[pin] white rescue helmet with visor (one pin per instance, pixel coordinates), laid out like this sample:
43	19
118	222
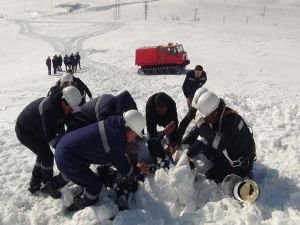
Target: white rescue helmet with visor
135	121
73	97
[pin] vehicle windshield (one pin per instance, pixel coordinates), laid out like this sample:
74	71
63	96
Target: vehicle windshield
179	49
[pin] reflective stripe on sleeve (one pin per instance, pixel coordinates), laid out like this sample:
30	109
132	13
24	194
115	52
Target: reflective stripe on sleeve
41	106
103	136
47	167
89	195
53	141
64	177
130	171
216	141
96	107
202	139
241	124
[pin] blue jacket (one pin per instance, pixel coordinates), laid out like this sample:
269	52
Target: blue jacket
99	143
43	119
100	108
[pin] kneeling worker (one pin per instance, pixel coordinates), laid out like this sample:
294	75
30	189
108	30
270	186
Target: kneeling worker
99	143
225	138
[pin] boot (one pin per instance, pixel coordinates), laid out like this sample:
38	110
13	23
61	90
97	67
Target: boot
80	203
36	179
51	190
47	175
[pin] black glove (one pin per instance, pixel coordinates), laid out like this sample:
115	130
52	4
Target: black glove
126	185
107	175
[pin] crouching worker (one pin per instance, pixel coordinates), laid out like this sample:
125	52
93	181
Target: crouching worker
99	143
40	125
222	135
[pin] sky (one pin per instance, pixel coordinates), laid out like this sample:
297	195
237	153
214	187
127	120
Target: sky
250	52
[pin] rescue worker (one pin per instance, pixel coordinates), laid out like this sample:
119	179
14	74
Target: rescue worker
41	124
100	108
161	110
48	63
194	79
84	90
225	138
99	143
65	81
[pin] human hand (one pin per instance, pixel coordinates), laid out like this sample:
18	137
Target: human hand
170	128
189	101
144	168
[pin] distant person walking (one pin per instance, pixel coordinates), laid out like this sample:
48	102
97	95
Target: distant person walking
48	63
59	62
54	63
66	61
77	59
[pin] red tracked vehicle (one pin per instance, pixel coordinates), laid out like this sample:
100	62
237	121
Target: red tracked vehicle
162	59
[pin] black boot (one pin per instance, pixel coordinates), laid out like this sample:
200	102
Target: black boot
47	174
36	179
80	203
51	190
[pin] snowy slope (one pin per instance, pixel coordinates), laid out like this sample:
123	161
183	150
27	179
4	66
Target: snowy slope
250	50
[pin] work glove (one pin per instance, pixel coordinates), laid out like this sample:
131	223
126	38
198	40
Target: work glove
170	128
125	185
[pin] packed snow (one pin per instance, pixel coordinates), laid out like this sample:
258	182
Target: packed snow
250	50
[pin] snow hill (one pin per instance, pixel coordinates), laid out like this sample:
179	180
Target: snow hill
250	50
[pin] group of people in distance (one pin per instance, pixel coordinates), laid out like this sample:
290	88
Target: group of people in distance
71	62
109	131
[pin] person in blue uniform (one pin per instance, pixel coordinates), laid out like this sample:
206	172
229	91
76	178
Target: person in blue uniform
102	142
40	125
100	108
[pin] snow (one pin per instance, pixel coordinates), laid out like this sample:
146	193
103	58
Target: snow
252	61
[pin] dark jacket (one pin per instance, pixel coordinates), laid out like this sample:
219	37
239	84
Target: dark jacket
66	60
234	135
48	62
43	119
76	83
191	84
101	108
99	143
59	60
77	58
82	87
153	119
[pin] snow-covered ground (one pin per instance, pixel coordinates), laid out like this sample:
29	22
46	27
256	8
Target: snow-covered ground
250	50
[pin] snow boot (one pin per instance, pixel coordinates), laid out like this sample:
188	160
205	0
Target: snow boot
35	180
50	189
80	203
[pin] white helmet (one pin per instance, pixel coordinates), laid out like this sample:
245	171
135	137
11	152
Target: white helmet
197	95
67	77
207	103
73	97
135	121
